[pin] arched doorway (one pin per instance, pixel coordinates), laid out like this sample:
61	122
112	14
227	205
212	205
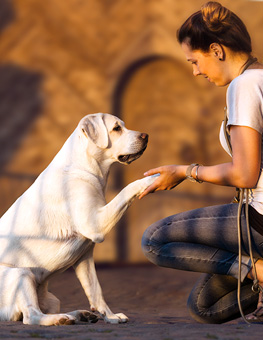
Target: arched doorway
158	96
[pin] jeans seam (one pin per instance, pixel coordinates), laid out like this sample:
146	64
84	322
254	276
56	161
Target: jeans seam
188	219
185	257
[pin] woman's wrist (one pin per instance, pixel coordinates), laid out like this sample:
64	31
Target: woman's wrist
183	169
192	173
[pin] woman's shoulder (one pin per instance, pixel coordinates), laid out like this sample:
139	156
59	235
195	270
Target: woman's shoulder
250	74
250	78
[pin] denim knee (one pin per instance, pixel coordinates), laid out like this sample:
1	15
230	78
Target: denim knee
146	248
213	299
149	245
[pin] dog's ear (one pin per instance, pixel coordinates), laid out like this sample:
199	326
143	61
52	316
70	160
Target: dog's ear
94	128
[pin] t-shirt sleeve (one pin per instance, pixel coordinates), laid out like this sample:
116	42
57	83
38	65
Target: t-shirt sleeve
245	100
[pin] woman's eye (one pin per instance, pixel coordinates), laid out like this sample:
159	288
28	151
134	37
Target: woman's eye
117	128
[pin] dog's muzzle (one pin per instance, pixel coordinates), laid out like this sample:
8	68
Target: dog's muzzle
132	157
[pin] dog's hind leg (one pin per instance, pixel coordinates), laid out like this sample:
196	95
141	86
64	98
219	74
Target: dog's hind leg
19	299
48	302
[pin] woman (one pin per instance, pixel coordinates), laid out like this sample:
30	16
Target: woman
216	42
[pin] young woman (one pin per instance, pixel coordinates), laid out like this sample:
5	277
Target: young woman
216	42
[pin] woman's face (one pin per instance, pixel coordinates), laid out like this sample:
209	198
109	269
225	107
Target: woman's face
207	64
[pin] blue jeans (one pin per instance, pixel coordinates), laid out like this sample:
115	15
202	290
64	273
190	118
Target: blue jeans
205	240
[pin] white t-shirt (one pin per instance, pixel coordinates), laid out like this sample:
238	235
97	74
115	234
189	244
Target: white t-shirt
245	108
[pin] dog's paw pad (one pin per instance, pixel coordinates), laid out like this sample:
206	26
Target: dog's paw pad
65	320
89	317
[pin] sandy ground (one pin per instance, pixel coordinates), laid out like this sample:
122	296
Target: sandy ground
153	298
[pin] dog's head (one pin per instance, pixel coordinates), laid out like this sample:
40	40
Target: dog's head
110	137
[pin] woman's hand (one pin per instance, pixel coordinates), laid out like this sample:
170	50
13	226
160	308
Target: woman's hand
170	177
242	172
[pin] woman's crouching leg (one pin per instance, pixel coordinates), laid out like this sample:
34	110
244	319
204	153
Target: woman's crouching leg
214	299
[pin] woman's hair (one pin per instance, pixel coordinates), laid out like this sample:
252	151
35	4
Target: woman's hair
215	24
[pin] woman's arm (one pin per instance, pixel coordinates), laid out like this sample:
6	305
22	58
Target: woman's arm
170	177
242	172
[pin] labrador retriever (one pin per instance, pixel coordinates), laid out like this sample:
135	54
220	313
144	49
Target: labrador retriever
56	223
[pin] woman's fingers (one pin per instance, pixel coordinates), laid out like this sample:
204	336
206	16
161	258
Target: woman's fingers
153	171
149	190
169	177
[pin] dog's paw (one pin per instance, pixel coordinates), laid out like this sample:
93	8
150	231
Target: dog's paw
89	317
152	178
84	315
147	181
49	319
116	318
64	320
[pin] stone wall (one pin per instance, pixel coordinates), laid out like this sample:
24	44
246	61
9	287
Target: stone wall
60	60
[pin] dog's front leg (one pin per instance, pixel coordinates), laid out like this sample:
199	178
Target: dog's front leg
111	213
86	273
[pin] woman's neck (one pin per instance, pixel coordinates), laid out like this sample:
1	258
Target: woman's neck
249	63
239	62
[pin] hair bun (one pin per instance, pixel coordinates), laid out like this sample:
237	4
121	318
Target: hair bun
214	16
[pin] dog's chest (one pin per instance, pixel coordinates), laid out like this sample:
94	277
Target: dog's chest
59	259
50	255
68	253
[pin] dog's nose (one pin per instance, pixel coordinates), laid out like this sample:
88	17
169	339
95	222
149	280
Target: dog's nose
144	136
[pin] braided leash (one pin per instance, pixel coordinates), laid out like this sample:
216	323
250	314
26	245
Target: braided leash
256	288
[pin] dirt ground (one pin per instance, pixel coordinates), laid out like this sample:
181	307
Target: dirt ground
153	298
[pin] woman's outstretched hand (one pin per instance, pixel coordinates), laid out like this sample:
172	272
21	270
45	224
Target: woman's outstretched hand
170	177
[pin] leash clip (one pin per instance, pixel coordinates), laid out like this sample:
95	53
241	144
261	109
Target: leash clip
256	287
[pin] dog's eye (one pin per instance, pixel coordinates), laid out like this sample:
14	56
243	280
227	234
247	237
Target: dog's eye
117	128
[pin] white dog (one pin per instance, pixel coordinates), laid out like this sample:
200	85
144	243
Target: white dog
55	224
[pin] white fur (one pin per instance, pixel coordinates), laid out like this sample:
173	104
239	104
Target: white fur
55	224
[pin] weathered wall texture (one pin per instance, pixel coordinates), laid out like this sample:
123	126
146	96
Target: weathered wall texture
60	60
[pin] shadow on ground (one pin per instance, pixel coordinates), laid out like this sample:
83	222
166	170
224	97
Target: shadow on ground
153	298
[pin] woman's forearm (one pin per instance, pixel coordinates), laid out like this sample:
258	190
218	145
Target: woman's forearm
244	169
227	174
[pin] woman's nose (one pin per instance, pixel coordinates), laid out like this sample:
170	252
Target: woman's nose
196	71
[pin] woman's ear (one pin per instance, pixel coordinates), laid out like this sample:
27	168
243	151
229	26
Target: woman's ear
217	51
